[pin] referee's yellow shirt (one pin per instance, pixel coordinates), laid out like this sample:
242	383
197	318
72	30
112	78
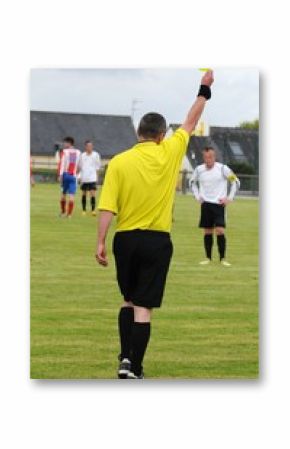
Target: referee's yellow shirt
140	184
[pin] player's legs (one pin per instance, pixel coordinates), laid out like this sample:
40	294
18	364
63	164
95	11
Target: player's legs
142	314
134	331
153	258
207	224
125	324
93	201
220	224
72	187
221	242
208	242
140	339
123	249
142	262
84	198
65	184
71	202
63	203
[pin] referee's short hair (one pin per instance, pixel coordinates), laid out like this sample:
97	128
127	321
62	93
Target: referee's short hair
88	141
151	125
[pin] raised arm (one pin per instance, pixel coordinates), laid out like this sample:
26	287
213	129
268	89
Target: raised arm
197	108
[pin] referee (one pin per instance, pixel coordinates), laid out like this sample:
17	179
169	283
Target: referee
139	189
209	185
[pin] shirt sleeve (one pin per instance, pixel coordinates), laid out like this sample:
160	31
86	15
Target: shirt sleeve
233	180
177	143
98	161
193	182
79	161
62	163
109	194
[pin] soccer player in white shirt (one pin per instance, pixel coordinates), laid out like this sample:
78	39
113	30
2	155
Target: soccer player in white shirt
90	164
210	187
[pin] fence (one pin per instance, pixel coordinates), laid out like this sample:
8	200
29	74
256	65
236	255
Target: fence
45	171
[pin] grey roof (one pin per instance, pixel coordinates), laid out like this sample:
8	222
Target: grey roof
110	134
245	139
226	140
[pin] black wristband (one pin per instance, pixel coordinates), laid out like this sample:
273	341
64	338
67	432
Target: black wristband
204	91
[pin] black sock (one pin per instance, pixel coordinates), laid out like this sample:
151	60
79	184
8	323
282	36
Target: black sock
221	242
93	202
208	242
140	339
84	202
125	322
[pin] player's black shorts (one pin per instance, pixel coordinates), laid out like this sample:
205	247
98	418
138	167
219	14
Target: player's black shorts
142	261
212	215
87	186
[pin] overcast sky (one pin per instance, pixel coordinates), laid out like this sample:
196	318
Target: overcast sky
168	91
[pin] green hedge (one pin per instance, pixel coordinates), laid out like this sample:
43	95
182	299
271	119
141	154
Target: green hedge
44	171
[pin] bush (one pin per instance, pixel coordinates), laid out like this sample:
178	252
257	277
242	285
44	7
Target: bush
44	171
242	168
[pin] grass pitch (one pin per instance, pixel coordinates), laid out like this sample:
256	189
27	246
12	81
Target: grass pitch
206	328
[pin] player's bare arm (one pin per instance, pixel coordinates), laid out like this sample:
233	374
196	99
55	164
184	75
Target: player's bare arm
197	108
105	220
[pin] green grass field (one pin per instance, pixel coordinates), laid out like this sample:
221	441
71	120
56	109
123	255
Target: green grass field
206	328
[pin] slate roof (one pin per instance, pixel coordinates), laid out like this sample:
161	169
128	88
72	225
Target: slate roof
224	139
246	139
110	134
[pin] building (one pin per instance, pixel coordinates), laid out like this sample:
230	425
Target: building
237	145
110	134
233	146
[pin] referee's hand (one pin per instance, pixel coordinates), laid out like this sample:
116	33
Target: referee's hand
101	254
207	78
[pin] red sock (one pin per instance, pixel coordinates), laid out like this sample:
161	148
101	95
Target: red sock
62	206
70	207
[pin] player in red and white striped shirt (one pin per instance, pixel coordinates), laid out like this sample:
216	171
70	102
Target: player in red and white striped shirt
69	167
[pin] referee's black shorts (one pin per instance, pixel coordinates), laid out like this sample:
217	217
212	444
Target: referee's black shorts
212	215
142	261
